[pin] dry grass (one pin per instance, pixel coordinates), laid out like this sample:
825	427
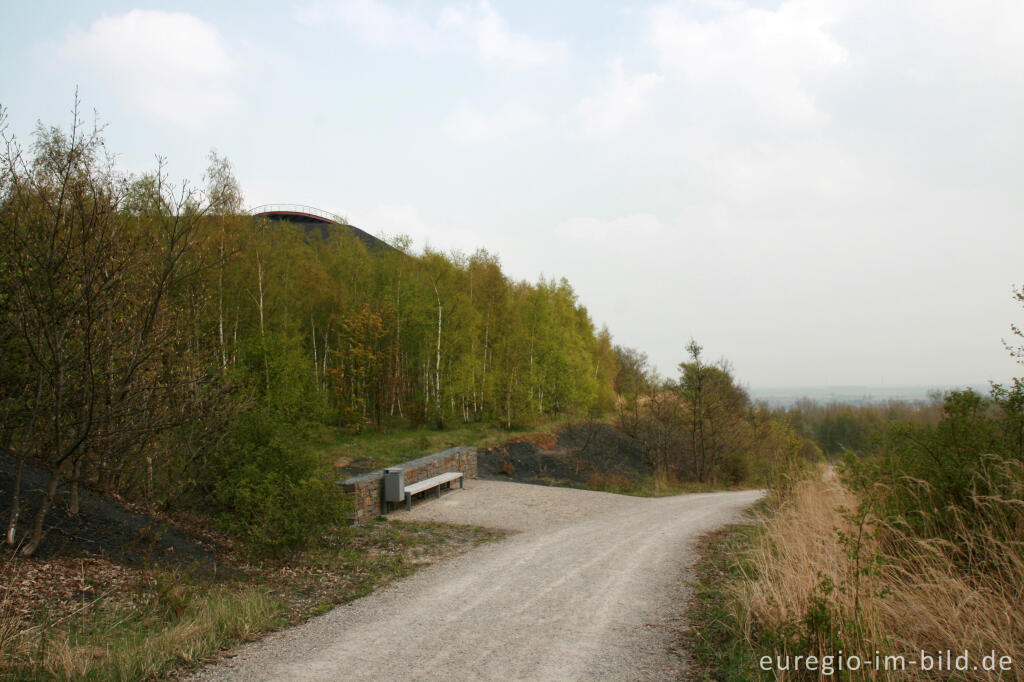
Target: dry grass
890	591
798	550
116	638
934	606
89	619
10	623
967	593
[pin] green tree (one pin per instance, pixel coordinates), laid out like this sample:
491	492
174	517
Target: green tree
718	429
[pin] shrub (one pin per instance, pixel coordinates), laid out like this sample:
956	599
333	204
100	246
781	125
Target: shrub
271	489
938	480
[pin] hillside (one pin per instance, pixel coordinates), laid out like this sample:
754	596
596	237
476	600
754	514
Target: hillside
579	455
327	229
105	526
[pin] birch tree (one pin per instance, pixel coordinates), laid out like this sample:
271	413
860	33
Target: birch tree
91	259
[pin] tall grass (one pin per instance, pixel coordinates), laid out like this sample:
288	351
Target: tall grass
963	588
799	555
826	575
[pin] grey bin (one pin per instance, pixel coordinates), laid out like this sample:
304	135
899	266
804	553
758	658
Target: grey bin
394	485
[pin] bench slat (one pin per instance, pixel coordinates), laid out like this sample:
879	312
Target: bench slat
431	482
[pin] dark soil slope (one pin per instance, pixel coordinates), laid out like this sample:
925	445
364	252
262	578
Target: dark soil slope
103	527
578	455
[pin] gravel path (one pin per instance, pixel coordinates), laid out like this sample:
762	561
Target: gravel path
591	589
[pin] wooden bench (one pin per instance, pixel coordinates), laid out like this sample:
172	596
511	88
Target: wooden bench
435	482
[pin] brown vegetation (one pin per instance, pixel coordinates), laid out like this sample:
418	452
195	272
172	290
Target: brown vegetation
889	591
704	428
88	618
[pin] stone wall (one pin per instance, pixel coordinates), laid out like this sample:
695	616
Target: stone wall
367	490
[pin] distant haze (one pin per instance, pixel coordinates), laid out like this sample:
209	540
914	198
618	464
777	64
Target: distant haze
855	395
825	193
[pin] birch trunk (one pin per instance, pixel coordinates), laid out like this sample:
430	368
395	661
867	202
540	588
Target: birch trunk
12	522
316	364
437	364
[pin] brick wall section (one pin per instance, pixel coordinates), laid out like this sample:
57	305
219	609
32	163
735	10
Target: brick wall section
367	490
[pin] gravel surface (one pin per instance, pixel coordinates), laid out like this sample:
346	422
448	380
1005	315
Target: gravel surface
592	588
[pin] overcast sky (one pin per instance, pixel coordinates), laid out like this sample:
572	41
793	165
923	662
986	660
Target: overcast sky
825	193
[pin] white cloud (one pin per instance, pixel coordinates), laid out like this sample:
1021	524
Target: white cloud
374	22
169	64
771	56
467	124
624	98
480	29
495	43
946	39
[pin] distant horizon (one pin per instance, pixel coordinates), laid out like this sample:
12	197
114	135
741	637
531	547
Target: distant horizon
785	396
876	387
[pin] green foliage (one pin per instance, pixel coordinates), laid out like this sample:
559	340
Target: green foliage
938	479
840	429
937	529
164	345
270	489
101	314
277	372
782	457
717	635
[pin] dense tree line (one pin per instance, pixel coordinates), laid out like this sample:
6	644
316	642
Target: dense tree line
158	342
841	427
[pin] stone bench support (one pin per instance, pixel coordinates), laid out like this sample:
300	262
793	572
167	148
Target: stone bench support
367	490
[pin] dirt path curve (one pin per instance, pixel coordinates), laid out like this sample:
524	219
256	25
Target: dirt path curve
591	589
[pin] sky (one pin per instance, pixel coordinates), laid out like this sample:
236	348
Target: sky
824	193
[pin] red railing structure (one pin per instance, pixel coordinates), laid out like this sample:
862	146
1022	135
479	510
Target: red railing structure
298	210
